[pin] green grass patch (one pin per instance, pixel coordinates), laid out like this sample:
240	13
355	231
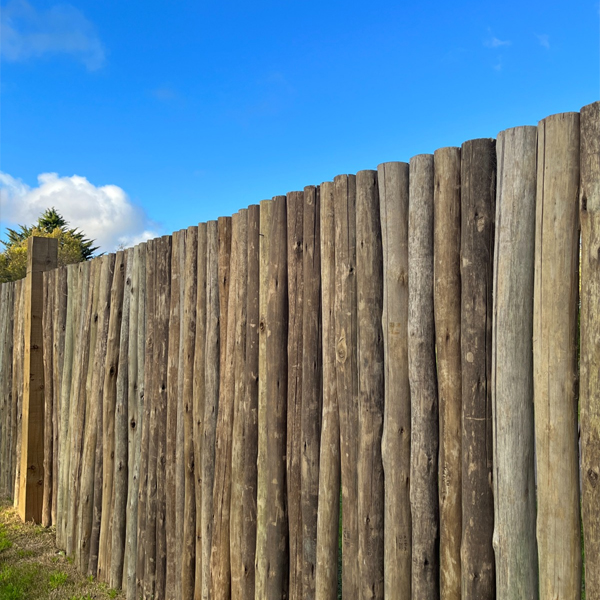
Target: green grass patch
16	582
5	543
57	579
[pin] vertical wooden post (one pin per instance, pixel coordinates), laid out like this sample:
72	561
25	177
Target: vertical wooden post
369	285
589	397
478	197
512	367
446	302
424	500
42	255
395	442
555	356
48	318
295	212
328	518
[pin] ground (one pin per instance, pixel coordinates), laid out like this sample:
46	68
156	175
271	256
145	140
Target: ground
32	567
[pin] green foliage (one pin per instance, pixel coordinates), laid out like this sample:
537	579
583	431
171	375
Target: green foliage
5	543
73	247
15	583
57	579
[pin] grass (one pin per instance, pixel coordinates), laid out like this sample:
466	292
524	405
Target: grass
32	568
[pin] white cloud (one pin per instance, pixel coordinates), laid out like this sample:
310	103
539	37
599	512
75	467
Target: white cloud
62	29
544	40
494	42
105	213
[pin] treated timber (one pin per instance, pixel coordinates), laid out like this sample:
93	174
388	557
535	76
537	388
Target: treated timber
262	509
88	466
41	256
211	397
121	474
180	456
94	543
236	529
423	382
47	319
199	393
17	388
514	541
369	285
328	518
295	219
344	197
111	371
150	304
276	405
161	347
188	549
87	272
478	197
589	391
312	387
65	391
175	310
220	559
137	335
395	443
555	307
446	303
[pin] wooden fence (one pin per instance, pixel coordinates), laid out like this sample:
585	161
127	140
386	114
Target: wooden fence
406	339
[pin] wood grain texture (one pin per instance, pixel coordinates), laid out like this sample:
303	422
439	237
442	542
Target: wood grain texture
295	247
328	518
236	528
446	302
369	285
344	197
589	391
111	372
188	550
276	406
211	398
220	558
514	539
555	356
261	569
312	387
199	394
121	474
395	443
423	382
175	310
41	256
478	196
48	350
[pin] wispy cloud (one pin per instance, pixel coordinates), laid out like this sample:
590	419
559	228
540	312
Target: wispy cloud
494	42
103	213
164	94
544	40
29	33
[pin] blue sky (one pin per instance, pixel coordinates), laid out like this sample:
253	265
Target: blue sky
171	113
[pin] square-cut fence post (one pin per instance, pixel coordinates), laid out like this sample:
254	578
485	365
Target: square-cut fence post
42	255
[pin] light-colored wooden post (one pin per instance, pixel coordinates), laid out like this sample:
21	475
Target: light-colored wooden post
42	255
512	367
589	395
555	356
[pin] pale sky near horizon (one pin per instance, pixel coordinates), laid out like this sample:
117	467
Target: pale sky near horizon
135	119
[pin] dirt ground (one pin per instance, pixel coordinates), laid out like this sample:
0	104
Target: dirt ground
32	567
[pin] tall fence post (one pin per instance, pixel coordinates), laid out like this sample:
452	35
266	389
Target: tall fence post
42	255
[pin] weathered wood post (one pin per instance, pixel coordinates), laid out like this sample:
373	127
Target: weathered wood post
42	255
512	367
446	302
395	442
555	356
589	391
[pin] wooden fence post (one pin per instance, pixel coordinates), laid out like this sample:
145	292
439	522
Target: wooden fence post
42	255
589	395
555	356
